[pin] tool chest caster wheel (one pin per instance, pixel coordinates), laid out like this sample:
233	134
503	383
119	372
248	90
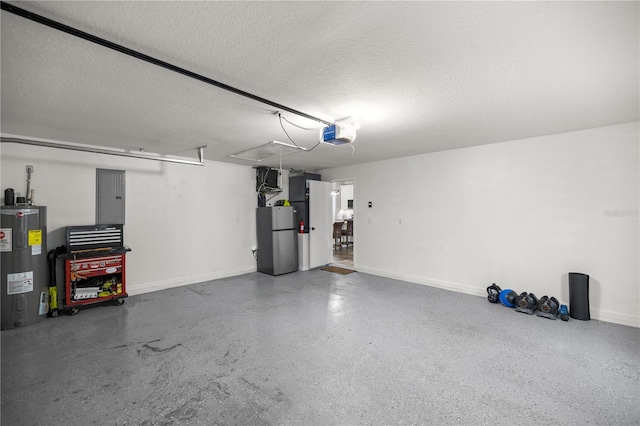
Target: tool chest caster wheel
120	302
74	311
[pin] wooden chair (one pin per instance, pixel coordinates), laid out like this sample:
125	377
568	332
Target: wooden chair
346	233
337	235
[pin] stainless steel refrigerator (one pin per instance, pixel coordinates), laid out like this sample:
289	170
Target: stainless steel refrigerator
277	240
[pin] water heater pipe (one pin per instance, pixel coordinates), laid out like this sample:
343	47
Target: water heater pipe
29	170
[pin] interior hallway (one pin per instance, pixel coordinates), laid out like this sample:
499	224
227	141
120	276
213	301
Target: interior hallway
317	348
343	257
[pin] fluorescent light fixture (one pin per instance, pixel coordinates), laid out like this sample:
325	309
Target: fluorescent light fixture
266	151
138	153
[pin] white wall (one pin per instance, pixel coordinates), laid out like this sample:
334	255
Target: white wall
521	214
184	224
346	194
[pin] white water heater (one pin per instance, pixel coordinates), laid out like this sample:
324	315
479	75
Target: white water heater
23	254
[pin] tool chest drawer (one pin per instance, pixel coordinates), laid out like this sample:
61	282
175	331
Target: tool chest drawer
95	279
96	266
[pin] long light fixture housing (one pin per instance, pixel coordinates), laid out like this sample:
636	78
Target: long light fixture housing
99	150
266	151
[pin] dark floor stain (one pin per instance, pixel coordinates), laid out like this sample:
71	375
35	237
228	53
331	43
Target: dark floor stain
250	384
187	411
223	388
280	396
201	293
274	394
159	350
119	347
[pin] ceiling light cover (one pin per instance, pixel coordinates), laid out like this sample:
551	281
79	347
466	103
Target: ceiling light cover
268	150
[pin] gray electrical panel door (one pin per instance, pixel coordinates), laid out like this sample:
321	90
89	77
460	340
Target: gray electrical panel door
109	196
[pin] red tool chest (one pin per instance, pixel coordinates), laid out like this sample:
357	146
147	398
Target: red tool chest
95	266
95	279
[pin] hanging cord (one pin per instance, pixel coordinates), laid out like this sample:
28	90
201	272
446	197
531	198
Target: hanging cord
299	126
314	147
285	131
280	174
280	117
264	182
272	196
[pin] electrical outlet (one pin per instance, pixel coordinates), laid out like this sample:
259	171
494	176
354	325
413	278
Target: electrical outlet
29	169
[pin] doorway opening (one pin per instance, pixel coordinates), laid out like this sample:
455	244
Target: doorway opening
343	202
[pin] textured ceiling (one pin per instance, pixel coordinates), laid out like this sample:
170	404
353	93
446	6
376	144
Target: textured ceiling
422	76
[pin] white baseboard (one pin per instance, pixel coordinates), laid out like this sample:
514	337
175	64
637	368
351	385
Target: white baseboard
135	289
614	317
432	282
596	314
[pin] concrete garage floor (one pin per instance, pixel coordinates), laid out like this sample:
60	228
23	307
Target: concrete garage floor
317	348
